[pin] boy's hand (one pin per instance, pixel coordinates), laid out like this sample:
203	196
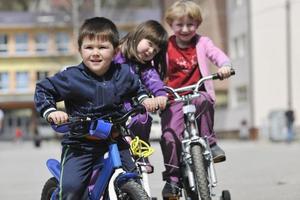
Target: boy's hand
58	117
225	71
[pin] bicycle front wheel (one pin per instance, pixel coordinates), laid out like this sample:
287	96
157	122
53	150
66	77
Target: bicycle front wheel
133	191
200	172
50	186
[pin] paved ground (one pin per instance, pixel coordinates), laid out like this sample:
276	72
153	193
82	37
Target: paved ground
253	171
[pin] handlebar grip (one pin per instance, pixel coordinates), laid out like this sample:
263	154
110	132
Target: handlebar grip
217	76
62	128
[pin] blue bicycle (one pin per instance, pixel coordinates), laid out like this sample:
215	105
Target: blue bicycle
112	182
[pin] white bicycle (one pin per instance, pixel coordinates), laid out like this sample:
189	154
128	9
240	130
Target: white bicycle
197	167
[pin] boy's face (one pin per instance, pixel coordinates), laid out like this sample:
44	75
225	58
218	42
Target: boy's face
147	50
184	28
97	54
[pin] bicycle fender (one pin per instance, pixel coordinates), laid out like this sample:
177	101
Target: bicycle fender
117	179
111	186
54	167
124	177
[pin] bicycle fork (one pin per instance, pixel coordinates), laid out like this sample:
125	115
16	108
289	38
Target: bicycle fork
191	136
187	160
211	168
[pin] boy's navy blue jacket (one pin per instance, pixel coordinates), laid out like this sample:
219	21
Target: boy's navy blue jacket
84	93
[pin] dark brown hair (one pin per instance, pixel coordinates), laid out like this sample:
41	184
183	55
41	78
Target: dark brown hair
153	31
99	27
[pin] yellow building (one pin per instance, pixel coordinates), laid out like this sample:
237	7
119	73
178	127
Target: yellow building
32	46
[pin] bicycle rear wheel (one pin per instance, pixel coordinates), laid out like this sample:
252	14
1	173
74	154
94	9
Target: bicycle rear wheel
200	172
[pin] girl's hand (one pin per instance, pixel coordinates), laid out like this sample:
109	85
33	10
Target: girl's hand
161	102
225	72
150	104
58	117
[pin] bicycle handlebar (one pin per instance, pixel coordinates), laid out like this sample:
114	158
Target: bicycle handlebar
194	88
98	125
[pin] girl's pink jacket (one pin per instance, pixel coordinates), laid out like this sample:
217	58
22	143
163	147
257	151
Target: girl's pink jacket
206	50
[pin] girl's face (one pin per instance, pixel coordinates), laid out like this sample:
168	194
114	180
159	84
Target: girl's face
97	54
146	50
184	29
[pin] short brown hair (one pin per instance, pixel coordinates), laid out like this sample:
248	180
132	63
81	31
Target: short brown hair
99	27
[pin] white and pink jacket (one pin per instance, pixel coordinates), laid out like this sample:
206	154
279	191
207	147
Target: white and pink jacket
206	50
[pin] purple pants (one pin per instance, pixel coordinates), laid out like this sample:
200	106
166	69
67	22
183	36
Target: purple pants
172	123
140	125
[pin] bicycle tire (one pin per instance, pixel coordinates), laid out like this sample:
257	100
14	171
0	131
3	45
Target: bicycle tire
49	188
200	172
133	191
226	195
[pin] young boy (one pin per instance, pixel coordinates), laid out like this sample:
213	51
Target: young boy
95	86
187	54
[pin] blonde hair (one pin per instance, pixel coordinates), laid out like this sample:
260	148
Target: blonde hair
183	8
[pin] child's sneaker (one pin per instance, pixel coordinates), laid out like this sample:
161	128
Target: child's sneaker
171	191
217	153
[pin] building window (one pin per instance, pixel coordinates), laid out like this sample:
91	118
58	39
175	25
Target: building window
3	44
241	92
232	48
41	75
21	43
238	47
4	81
238	3
41	42
62	42
222	97
22	81
241	45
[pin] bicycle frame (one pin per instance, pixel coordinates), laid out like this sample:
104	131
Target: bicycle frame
110	173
